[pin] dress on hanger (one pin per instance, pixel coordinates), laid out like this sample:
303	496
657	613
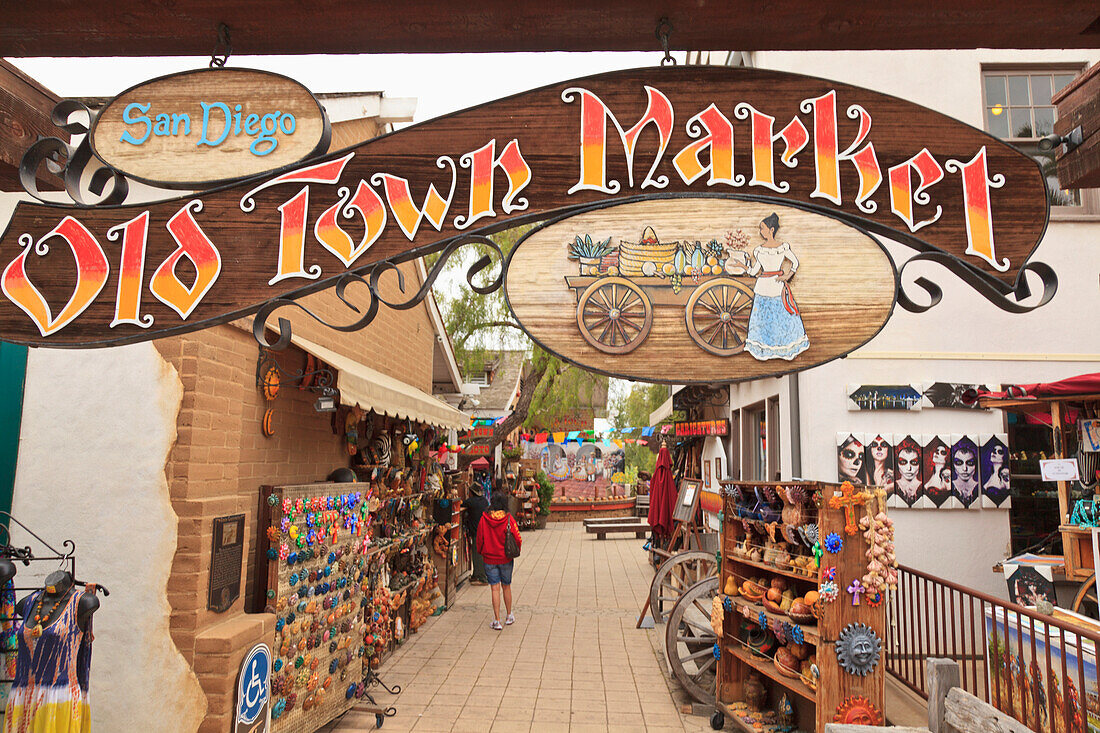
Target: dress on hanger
50	692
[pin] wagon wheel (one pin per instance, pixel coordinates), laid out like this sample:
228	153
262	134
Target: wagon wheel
689	641
1085	602
718	316
675	576
614	315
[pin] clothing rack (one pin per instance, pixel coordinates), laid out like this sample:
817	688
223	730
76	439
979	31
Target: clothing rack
26	555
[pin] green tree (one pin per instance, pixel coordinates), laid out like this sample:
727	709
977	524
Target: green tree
632	409
482	326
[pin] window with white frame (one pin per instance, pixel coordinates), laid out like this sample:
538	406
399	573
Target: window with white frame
1018	109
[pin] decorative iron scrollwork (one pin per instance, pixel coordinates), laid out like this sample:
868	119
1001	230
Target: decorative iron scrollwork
371	279
322	384
70	162
997	293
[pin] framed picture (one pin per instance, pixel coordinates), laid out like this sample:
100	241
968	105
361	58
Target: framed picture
909	480
706	475
850	456
879	461
995	475
1029	584
953	395
884	396
936	470
965	486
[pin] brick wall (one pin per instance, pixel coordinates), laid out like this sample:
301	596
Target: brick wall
221	457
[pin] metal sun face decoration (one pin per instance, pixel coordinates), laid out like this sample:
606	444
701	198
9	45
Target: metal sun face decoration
858	649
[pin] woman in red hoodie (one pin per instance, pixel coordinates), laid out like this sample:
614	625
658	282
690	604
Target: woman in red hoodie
490	543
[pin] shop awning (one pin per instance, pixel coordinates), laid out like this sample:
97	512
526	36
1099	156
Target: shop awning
661	412
373	390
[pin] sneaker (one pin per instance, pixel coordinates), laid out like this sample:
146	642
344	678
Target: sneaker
510	620
495	625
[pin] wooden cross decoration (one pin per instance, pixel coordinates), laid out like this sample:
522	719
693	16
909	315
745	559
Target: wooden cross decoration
856	589
848	500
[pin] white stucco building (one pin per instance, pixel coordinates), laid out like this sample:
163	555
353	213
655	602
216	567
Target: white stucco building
963	339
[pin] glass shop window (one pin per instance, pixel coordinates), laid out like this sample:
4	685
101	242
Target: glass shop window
1018	109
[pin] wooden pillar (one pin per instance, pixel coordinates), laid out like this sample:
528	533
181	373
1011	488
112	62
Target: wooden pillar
942	675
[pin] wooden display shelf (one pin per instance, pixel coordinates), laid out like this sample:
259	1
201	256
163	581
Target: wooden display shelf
834	684
773	569
766	667
810	632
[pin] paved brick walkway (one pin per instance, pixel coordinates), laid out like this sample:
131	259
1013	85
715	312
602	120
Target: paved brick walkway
573	660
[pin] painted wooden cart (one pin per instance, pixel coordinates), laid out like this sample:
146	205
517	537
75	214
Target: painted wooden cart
615	314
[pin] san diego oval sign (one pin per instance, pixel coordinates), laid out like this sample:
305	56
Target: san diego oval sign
198	128
694	289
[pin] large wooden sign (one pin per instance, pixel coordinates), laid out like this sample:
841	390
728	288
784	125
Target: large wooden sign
202	127
92	277
694	290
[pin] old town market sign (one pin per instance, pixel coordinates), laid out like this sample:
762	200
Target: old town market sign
767	187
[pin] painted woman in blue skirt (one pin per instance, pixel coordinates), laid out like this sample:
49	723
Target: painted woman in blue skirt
775	326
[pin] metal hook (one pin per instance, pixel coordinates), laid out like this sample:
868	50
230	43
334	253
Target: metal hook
664	28
224	45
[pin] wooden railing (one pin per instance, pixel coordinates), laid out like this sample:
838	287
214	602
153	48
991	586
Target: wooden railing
1038	669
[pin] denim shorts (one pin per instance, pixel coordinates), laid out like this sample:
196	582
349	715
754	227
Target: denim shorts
499	573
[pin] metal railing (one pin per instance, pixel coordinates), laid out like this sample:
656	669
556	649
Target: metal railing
1038	669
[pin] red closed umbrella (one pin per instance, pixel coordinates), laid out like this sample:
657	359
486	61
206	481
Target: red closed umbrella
662	495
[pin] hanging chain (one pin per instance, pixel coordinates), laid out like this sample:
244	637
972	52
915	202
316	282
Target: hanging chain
222	49
664	27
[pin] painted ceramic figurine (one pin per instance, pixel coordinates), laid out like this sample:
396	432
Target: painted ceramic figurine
784	713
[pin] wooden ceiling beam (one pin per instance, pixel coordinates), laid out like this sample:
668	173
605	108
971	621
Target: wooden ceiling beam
25	107
1079	115
189	27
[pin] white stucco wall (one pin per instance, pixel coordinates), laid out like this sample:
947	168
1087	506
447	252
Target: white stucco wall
96	431
963	339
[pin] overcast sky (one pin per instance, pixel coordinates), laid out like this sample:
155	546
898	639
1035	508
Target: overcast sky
441	82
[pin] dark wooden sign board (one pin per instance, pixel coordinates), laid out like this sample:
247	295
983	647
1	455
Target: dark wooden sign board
226	555
521	159
670	175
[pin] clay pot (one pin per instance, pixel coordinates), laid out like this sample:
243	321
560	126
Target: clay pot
755	693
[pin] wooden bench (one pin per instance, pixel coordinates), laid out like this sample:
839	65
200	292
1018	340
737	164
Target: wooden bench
601	530
608	520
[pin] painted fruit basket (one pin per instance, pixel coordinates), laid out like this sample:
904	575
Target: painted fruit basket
619	287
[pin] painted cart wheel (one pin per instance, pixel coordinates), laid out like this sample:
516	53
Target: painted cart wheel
718	316
675	576
1085	603
690	640
614	315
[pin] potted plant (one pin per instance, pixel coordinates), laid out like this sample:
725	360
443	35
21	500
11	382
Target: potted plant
511	456
589	253
546	495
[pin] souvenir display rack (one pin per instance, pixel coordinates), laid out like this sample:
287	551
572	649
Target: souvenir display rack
348	577
774	648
